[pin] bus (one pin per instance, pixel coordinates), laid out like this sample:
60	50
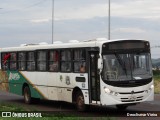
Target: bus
93	72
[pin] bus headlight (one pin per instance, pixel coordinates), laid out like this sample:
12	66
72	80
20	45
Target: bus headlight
107	90
152	87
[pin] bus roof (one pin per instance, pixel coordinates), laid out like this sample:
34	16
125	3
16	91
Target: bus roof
87	43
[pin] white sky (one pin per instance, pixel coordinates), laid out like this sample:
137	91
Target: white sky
29	21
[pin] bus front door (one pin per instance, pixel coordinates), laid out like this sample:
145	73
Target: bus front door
94	83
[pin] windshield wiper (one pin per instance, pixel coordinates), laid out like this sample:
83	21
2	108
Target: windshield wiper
121	63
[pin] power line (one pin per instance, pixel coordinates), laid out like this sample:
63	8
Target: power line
30	6
36	4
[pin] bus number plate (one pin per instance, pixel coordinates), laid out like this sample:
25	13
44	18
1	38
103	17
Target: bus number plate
133	98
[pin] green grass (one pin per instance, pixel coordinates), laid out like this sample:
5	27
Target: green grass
16	108
10	107
157	84
156	76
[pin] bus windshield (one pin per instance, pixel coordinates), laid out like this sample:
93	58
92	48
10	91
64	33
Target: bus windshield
125	67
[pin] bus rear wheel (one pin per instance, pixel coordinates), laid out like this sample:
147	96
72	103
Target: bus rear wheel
80	102
27	95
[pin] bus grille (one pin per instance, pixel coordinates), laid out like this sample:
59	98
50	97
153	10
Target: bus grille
132	99
125	93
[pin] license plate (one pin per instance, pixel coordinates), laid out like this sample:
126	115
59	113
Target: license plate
133	98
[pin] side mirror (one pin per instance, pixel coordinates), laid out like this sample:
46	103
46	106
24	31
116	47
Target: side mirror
100	64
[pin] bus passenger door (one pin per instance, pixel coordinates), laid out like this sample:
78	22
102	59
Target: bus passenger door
94	84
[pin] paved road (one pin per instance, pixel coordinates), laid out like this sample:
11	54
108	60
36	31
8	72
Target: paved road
67	108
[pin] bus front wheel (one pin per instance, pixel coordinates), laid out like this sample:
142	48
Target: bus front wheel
80	102
27	95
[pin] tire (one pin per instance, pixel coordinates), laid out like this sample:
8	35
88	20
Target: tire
27	95
121	107
80	102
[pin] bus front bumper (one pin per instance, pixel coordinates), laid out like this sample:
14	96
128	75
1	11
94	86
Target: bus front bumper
109	97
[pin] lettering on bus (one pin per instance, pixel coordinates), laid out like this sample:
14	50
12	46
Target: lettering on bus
14	76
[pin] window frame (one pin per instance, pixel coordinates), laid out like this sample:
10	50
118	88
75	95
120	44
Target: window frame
46	61
2	61
58	60
80	60
25	52
65	61
30	61
11	62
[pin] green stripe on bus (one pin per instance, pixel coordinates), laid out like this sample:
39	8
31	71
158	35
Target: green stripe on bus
16	81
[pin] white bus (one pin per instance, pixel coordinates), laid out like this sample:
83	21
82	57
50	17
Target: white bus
94	72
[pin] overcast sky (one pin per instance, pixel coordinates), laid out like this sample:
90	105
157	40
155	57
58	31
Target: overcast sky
30	21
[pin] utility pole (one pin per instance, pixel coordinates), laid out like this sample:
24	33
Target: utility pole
52	20
109	18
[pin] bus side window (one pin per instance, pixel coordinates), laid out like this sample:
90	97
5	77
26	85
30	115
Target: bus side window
31	61
66	61
22	61
79	60
5	60
13	61
41	60
83	68
53	61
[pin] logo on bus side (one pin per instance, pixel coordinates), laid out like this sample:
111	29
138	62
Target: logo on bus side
68	80
14	76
